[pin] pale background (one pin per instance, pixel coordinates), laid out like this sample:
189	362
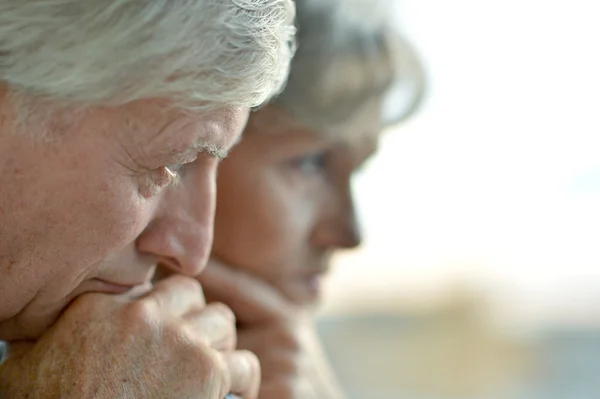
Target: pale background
485	203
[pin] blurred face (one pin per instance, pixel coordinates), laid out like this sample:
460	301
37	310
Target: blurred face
93	208
284	201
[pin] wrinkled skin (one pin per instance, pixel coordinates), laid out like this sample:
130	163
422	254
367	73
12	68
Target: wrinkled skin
107	346
88	211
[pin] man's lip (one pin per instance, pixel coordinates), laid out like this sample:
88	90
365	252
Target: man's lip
111	287
96	285
114	287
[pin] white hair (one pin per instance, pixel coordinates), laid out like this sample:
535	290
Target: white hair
197	53
349	54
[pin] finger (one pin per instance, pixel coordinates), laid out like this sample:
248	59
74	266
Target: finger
177	295
251	299
215	323
269	339
244	370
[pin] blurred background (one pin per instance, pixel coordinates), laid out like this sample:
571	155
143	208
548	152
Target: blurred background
479	276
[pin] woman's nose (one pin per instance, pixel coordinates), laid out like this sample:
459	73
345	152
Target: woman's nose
339	227
345	232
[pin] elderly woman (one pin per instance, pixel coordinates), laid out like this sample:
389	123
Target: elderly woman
284	202
101	102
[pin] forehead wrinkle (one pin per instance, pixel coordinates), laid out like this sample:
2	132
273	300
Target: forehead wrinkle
202	145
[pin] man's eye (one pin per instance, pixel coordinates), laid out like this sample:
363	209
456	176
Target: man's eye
313	163
161	178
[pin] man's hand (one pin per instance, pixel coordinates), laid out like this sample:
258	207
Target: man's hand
281	333
166	344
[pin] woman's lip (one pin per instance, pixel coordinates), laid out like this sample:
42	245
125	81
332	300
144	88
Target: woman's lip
310	286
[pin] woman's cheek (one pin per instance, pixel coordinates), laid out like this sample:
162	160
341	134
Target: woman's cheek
290	222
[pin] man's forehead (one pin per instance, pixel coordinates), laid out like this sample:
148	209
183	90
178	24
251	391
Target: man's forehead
213	131
231	124
224	125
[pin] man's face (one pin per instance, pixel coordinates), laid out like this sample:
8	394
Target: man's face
93	208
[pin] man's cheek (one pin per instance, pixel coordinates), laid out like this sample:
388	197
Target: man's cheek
121	224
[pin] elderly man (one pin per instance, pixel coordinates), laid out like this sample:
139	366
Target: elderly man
113	115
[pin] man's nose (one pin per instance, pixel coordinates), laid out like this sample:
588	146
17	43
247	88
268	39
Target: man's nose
181	234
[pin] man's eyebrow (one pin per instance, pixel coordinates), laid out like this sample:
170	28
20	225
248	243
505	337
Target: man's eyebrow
212	150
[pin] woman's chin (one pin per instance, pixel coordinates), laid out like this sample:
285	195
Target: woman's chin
305	290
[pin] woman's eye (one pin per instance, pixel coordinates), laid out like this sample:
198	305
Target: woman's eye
313	163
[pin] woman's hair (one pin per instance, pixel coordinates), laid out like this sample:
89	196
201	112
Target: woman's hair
348	54
197	53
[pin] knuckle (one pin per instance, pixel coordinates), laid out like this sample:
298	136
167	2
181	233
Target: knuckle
139	313
197	362
231	341
173	333
90	305
229	338
223	310
253	361
228	341
186	283
213	369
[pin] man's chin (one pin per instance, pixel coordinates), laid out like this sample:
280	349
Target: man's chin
31	323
